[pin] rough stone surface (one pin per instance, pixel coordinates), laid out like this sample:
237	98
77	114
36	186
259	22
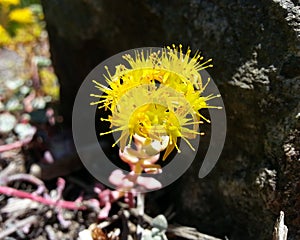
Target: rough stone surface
255	47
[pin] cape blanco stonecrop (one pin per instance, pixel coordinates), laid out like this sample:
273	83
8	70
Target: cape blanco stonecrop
158	96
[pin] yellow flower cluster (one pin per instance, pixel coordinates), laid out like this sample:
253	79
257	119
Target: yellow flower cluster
159	95
21	15
4	36
50	84
9	2
17	25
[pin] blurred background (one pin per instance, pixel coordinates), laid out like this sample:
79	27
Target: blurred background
48	47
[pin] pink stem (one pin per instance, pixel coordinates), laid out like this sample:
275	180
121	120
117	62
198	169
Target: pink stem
60	203
14	145
29	178
25	177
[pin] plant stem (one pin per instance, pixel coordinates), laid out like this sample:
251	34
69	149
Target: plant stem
8	191
30	220
140	208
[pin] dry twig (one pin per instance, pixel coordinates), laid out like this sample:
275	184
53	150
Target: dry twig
180	231
22	223
189	233
280	230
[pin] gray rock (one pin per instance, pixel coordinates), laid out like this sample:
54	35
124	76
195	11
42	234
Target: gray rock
160	222
255	48
11	68
7	122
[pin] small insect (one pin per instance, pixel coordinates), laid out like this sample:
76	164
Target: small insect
98	234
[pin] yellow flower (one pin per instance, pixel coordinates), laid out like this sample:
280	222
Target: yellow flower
23	15
49	83
4	36
27	33
158	96
9	2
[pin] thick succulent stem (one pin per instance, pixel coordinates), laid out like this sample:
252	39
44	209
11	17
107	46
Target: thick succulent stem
140	207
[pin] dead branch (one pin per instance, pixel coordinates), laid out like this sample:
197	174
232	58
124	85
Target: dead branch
22	223
180	231
189	233
13	168
280	230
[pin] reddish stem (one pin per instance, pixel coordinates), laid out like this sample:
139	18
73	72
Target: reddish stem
60	203
14	145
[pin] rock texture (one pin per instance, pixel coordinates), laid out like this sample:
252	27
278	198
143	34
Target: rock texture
255	47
